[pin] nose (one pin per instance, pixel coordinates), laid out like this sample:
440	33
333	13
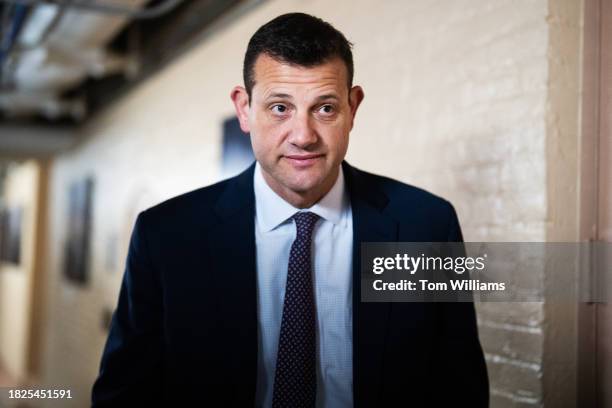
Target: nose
302	133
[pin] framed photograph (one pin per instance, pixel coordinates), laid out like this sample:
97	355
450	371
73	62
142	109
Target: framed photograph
78	239
10	239
237	150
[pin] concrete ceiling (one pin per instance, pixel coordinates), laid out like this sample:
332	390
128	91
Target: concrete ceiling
61	59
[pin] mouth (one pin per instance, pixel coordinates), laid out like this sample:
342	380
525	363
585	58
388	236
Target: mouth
303	160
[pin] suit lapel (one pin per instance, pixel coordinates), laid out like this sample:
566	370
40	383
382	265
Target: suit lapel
370	320
232	244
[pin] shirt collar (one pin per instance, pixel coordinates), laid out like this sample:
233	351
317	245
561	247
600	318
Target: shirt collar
272	210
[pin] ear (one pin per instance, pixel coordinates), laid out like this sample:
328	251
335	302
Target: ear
356	95
241	104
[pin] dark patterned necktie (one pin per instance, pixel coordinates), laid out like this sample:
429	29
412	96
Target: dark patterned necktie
295	381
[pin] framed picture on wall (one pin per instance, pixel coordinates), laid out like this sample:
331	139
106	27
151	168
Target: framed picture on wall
78	238
10	234
237	151
3	231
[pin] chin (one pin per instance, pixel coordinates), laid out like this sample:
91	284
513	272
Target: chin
304	184
302	188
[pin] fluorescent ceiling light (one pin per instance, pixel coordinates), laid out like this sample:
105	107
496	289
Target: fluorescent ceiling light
38	22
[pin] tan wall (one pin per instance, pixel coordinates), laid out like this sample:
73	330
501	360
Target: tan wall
563	121
456	102
21	188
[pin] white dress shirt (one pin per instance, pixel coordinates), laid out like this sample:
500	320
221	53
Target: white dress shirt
332	253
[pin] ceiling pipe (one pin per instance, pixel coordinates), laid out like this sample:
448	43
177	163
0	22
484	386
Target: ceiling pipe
17	19
129	12
35	140
16	23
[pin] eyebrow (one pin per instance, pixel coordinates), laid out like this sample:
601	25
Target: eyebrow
278	95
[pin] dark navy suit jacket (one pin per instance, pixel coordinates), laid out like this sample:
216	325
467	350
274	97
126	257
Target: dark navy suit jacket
185	329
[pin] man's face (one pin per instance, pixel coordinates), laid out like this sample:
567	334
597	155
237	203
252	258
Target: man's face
299	119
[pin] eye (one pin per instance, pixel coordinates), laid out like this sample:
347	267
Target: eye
327	109
278	109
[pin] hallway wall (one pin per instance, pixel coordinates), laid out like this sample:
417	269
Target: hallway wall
16	280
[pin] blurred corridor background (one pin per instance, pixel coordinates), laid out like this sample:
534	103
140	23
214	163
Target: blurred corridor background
504	107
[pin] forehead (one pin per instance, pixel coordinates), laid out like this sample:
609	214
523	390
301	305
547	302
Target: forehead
272	75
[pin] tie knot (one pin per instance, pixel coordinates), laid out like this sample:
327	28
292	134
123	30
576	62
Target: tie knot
304	222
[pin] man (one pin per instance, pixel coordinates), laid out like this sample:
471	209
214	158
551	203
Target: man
246	293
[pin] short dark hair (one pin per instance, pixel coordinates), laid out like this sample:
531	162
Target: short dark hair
299	39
